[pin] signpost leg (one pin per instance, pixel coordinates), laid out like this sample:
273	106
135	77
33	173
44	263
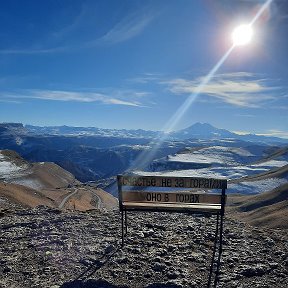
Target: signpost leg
214	251
220	250
122	221
126	227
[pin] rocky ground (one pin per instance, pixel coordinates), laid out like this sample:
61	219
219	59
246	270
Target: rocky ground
46	247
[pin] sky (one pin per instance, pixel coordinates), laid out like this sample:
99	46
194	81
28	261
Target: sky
137	64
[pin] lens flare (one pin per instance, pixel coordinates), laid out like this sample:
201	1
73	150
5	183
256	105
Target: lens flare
242	35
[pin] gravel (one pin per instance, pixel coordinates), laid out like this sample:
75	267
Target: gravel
45	247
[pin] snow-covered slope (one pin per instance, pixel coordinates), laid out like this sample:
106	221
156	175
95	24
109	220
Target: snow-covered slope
14	169
233	163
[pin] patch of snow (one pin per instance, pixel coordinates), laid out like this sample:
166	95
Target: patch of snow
140	147
19	141
245	187
229	172
30	183
271	164
183	173
214	155
256	187
9	170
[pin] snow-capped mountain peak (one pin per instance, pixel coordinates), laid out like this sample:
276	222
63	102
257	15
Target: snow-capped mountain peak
202	130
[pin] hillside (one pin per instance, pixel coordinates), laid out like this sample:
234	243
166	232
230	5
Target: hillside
249	168
15	169
32	184
269	209
24	196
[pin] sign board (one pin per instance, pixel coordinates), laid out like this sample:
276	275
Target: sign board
182	197
173	182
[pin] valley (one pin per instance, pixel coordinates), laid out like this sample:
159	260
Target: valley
45	183
95	156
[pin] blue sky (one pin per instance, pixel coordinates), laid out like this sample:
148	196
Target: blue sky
132	64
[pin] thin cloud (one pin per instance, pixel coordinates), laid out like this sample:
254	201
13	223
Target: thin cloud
146	78
68	96
279	107
241	132
127	28
10	101
275	133
238	89
246	115
31	51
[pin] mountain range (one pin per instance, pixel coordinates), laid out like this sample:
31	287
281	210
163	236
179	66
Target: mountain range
195	131
93	154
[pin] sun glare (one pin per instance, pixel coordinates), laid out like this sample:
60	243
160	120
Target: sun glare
242	35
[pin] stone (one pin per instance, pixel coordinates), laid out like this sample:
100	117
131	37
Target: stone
158	267
109	249
172	274
250	271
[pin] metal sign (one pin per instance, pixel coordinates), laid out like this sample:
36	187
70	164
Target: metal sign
182	197
173	182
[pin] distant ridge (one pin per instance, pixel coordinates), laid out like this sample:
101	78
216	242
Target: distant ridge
207	131
196	131
13	128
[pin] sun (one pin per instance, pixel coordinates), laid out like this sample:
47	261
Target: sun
242	35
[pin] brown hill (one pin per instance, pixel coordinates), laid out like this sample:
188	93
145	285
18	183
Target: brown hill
33	184
51	175
34	175
268	209
24	196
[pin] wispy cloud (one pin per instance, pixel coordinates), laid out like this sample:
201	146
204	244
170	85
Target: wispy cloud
241	132
54	95
239	89
271	132
10	101
246	115
32	51
127	28
275	133
146	78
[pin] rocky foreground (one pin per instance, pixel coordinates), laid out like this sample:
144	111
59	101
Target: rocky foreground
44	247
